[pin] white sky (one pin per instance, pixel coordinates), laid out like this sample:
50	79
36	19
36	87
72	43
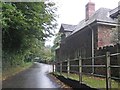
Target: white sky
73	11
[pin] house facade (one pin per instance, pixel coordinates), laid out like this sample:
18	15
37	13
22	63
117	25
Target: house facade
93	32
92	36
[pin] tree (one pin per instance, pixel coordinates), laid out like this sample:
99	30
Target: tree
25	25
56	44
116	32
57	41
118	29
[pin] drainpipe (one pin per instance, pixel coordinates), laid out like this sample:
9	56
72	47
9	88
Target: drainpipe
92	48
119	43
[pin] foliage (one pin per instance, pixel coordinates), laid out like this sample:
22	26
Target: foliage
116	33
25	25
56	45
57	40
47	54
119	28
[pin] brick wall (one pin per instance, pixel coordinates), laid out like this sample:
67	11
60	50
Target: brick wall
104	35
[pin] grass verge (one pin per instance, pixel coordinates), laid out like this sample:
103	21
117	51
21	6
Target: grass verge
14	70
94	82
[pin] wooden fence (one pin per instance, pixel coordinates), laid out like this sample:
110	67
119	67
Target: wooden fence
80	66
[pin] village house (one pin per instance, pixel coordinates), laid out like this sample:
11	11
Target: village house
92	33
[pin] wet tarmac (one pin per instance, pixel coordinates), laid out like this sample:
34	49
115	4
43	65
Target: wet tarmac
34	77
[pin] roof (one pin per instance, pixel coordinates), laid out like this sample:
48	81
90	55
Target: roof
67	28
114	13
101	15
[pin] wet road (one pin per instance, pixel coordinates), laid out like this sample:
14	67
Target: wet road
34	77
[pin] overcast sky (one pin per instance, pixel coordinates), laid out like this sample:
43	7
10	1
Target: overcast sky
73	11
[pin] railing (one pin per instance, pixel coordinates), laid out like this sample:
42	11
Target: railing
80	66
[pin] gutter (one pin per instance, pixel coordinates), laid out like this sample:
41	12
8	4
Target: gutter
108	23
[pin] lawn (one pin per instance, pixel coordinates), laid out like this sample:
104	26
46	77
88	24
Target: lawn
94	82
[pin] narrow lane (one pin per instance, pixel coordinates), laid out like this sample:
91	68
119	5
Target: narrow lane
34	77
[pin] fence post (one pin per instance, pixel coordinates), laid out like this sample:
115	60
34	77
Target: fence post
119	44
80	69
68	68
108	71
60	68
53	67
119	69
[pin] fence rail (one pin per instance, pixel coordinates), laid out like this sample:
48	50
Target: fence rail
107	66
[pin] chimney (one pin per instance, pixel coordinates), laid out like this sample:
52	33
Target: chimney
90	9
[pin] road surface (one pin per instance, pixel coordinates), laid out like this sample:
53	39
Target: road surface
34	77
